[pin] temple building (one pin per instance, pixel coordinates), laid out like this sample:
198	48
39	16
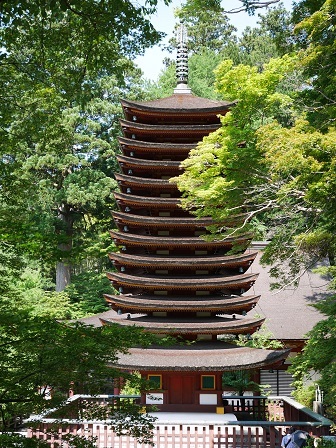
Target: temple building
171	281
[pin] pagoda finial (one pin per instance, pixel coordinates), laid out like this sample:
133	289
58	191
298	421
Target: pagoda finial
182	60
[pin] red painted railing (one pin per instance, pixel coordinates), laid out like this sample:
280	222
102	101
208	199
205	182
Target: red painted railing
240	434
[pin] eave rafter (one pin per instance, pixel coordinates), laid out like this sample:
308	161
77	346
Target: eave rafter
156	147
200	356
199	283
144	201
121	238
214	261
198	131
215	325
143	182
161	165
214	304
181	108
157	222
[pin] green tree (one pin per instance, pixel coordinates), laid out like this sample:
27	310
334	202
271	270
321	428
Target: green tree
272	38
63	69
42	357
240	381
318	356
208	28
318	33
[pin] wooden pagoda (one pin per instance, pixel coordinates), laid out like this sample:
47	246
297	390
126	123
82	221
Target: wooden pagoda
170	280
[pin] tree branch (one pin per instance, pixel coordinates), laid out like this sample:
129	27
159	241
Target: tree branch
251	7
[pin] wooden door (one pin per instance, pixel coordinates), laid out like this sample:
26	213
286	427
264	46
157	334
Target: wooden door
181	390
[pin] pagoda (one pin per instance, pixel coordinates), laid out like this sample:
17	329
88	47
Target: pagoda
171	280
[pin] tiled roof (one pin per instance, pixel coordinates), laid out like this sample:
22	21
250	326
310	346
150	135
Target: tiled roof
178	103
129	238
156	221
288	311
156	202
192	262
201	356
200	282
149	164
158	129
217	304
156	146
192	325
145	181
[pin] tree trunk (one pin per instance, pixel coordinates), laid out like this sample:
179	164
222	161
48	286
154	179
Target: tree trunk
63	275
63	267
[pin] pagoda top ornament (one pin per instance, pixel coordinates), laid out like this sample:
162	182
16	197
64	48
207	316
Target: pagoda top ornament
182	60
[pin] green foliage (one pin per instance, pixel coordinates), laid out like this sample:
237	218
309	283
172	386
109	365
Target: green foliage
266	161
40	354
319	355
137	425
132	387
325	443
263	338
305	395
318	33
239	380
208	27
12	440
102	30
225	166
86	292
62	75
70	441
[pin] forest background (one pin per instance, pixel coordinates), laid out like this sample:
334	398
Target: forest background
64	66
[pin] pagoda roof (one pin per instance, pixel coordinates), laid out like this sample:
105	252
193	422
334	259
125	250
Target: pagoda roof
157	221
192	325
152	201
201	282
177	104
203	356
155	146
148	164
166	131
184	262
124	179
161	241
216	304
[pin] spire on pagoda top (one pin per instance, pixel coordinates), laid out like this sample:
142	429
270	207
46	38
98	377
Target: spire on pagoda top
182	60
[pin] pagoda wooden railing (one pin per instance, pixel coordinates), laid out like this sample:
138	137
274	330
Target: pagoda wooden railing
174	434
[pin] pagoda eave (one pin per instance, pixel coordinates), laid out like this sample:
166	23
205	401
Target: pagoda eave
215	304
155	202
244	281
177	105
168	130
189	242
133	162
143	182
229	261
155	221
200	356
217	325
157	147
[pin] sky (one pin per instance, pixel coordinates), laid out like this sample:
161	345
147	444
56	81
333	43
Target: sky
164	20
